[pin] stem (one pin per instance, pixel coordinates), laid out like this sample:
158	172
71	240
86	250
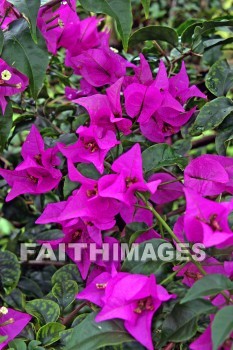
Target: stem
162	52
68	319
171	181
170	277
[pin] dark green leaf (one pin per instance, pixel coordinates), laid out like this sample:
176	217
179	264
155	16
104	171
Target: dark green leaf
207	286
16	299
50	333
44	310
120	10
205	28
183	26
212	115
65	292
222	326
187	34
92	335
69	187
134	230
17	344
160	33
161	155
10	271
34	345
181	324
146	5
1	41
21	52
30	10
69	272
219	79
5	125
88	170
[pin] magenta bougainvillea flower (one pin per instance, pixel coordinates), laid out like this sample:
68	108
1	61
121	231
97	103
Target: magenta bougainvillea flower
206	221
142	101
92	146
179	86
99	66
37	173
159	105
210	175
85	90
133	298
55	21
169	189
12	322
12	82
191	273
128	178
82	36
8	14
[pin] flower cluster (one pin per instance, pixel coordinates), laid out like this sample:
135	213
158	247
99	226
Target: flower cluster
119	96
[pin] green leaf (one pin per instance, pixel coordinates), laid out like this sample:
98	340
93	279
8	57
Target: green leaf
160	33
34	345
65	292
17	344
219	79
88	170
160	155
212	115
148	261
69	186
207	27
146	6
16	299
120	10
134	230
181	323
65	273
92	335
187	35
1	41
2	339
45	311
222	326
10	271
207	286
21	52
5	125
30	11
50	333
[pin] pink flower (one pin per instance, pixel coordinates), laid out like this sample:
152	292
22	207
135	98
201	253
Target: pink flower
12	322
210	175
55	22
169	190
12	82
99	66
128	178
134	299
92	146
37	173
8	14
206	221
180	89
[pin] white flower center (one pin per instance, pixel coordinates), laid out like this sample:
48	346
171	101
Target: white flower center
3	310
6	75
